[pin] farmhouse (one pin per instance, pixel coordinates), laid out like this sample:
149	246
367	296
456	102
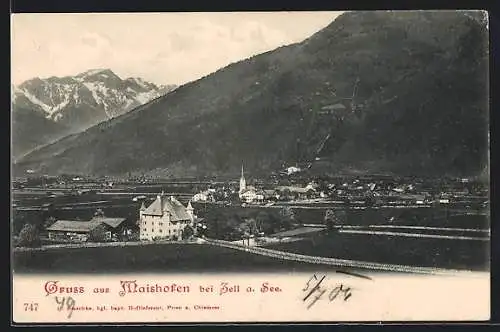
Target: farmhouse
72	230
251	194
270	194
116	226
75	230
204	196
165	218
292	192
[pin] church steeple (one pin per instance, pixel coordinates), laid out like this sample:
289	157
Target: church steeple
243	182
190	211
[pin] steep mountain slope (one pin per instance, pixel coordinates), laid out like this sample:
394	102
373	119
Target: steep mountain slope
74	103
32	129
419	107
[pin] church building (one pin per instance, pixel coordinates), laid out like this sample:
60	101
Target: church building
248	194
165	218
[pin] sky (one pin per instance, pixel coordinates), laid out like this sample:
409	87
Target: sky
164	48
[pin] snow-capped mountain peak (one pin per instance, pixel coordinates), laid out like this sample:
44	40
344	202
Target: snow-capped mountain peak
85	99
103	73
140	82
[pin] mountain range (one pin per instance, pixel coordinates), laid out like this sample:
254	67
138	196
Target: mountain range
45	110
373	92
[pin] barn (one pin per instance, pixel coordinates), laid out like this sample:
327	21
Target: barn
79	231
73	230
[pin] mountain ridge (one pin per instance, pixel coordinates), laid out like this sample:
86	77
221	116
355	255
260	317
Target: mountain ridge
370	82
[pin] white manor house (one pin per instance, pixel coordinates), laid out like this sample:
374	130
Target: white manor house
165	218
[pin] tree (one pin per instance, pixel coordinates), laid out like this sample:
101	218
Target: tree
98	234
36	218
49	222
251	224
244	229
201	229
228	227
287	213
341	217
330	219
99	213
286	194
287	217
370	199
29	236
188	232
334	218
221	226
47	212
265	222
213	222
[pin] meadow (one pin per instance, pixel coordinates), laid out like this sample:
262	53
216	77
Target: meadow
154	258
423	252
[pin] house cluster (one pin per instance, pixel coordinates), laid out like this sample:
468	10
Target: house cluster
205	196
251	194
362	190
63	182
81	231
165	218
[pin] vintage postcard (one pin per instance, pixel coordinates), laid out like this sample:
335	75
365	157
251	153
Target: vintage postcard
250	167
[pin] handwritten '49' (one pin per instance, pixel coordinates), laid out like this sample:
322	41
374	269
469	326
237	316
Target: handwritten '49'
67	303
314	287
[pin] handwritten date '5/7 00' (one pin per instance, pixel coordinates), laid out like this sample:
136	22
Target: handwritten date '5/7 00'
314	290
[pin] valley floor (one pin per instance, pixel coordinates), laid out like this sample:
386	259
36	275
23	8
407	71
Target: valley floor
457	252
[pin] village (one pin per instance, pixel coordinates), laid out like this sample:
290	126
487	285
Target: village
162	216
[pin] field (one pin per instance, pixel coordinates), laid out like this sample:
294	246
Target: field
150	259
424	252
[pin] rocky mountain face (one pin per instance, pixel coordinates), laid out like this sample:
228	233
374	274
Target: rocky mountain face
374	92
72	104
